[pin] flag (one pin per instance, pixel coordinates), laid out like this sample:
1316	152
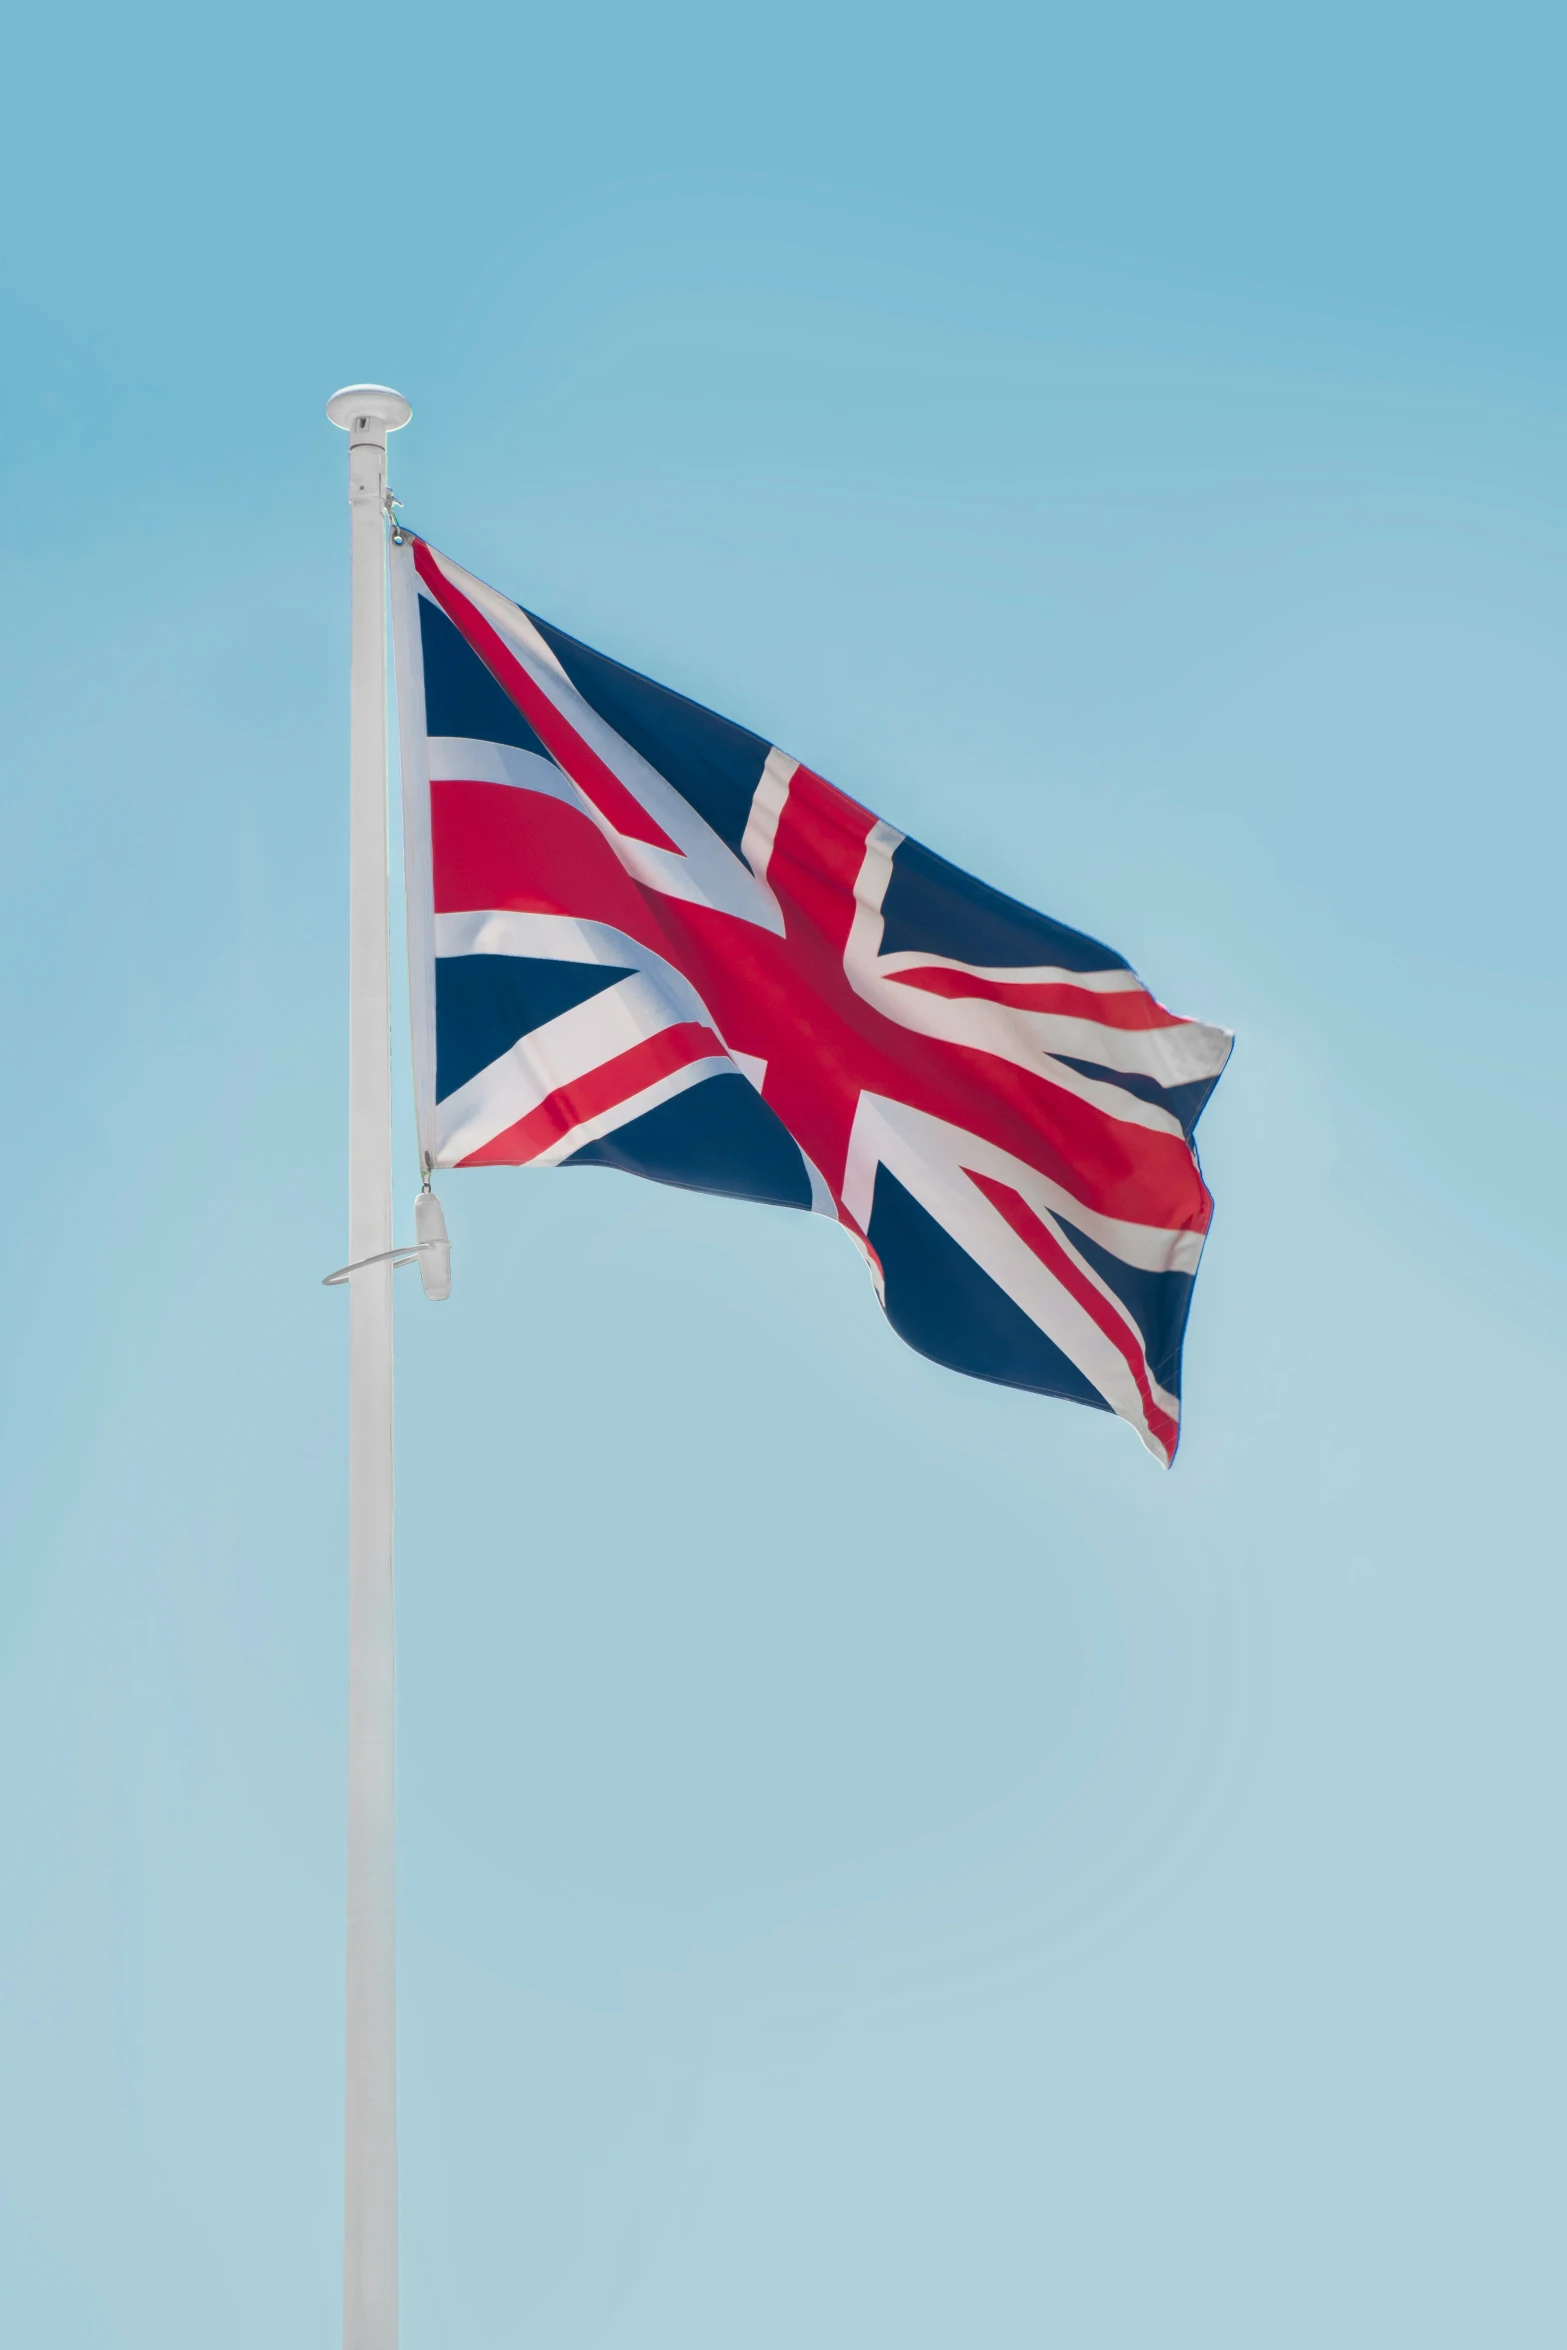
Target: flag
643	937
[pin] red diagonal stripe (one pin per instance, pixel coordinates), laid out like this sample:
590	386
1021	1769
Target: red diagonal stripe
1122	1008
1037	1235
560	738
595	1091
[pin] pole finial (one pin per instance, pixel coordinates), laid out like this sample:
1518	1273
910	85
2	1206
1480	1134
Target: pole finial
358	405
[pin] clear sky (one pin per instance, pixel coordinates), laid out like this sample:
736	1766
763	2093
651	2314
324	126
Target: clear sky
882	1863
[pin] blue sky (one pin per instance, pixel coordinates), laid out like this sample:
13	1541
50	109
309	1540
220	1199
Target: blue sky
880	1861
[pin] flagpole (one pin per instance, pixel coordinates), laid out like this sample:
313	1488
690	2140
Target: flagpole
367	412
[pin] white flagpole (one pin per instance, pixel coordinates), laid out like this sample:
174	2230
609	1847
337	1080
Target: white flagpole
367	412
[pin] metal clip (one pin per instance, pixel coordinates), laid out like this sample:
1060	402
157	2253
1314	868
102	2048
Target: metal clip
388	1256
431	1252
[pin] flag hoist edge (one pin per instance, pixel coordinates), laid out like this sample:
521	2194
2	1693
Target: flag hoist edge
642	937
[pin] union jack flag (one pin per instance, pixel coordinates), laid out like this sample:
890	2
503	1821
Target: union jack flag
643	937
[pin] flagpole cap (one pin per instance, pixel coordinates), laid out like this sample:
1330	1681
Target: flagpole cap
357	405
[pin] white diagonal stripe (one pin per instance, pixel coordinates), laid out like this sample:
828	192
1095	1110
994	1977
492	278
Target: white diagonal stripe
557	1054
706	870
936	1177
